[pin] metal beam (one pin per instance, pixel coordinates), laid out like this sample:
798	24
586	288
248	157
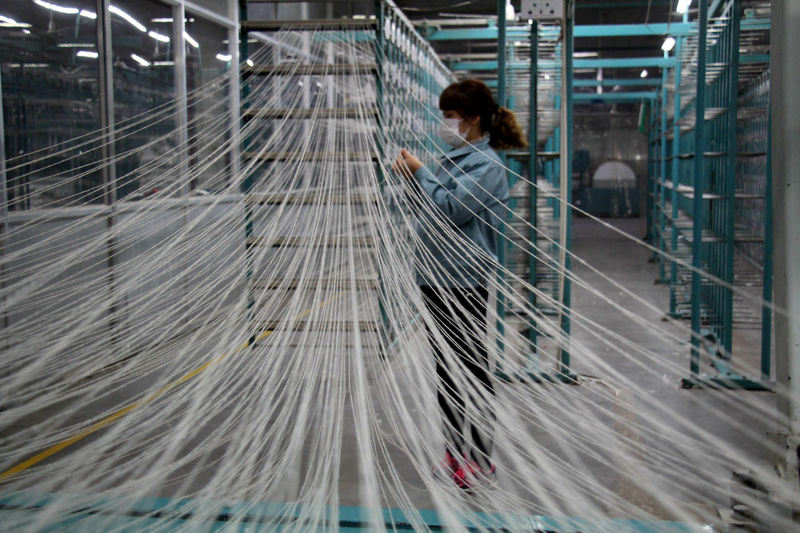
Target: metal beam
699	182
488	65
678	29
626	62
633	96
629	30
632	82
476	34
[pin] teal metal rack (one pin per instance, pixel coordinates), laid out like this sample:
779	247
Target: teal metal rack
699	211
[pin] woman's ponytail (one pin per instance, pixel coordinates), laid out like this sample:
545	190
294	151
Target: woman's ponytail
505	132
472	98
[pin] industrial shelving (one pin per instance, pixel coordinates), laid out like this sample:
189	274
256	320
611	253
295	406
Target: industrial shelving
709	182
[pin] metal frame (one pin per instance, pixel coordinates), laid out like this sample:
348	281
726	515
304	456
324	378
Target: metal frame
693	183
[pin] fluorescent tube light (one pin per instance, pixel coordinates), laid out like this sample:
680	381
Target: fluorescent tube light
190	40
57	8
132	21
158	37
142	61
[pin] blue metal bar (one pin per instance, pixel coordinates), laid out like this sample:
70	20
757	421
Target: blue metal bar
628	30
532	192
475	34
487	65
160	513
502	241
749	59
676	150
730	179
766	295
699	181
662	190
615	97
625	82
752	24
588	30
627	62
569	44
678	29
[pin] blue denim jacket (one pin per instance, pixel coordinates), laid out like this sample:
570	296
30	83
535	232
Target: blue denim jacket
468	190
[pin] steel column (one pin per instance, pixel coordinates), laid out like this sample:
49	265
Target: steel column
730	178
662	184
502	243
676	177
566	184
532	192
699	182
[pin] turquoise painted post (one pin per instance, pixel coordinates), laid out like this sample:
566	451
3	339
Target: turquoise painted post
566	293
662	186
699	182
650	174
730	178
502	243
766	295
676	150
532	192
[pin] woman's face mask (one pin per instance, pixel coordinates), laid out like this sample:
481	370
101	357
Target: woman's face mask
449	132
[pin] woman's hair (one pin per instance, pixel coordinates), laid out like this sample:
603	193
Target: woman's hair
472	98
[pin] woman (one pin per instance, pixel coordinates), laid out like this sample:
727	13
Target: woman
456	254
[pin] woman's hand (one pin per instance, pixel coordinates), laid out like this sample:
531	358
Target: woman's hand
406	164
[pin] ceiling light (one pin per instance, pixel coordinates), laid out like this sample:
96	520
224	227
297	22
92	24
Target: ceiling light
163	63
510	14
547	76
87	53
249	62
668	44
57	8
7	22
224	57
585	54
643	74
683	6
132	21
190	40
158	36
530	22
75	45
142	61
88	14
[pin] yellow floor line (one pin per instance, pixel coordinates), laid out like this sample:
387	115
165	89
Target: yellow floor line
41	456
